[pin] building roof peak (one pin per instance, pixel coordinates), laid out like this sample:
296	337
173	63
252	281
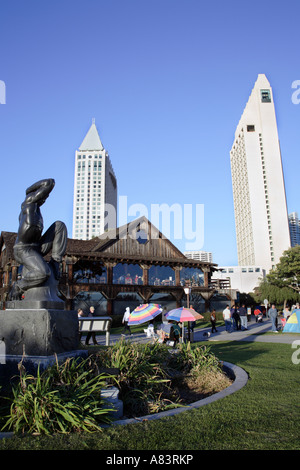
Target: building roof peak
92	139
262	79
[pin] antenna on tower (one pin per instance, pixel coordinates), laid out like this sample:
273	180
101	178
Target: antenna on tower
93	121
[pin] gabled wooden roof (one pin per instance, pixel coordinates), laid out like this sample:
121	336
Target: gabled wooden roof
139	237
123	244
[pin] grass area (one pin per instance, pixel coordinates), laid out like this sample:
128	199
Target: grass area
265	414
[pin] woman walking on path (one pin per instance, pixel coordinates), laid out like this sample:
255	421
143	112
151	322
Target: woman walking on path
125	322
213	320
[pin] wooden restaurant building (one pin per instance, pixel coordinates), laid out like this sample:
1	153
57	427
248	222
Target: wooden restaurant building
130	265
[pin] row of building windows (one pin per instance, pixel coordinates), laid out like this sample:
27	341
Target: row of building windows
250	269
79	157
266	196
132	274
241	198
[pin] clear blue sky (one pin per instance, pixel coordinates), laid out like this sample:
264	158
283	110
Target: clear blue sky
165	80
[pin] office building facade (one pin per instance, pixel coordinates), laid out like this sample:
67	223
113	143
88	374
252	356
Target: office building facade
199	255
260	208
294	224
95	189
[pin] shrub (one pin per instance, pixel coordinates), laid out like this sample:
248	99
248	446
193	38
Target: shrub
148	373
64	398
143	382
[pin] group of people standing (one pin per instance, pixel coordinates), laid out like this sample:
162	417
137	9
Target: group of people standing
235	318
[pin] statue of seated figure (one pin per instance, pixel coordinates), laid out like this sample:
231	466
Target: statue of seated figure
31	246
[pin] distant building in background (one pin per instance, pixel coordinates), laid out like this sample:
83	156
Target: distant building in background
294	224
260	208
95	187
199	255
242	278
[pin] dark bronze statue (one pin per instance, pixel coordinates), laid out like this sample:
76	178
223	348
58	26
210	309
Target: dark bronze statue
31	246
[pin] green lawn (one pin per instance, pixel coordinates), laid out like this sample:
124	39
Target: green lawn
265	414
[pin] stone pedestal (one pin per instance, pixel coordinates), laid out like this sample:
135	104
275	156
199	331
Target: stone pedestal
36	337
39	332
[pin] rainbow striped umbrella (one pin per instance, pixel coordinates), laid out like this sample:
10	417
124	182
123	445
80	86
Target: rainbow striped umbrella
144	313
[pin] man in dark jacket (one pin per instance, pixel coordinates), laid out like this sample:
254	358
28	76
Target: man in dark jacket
243	316
236	317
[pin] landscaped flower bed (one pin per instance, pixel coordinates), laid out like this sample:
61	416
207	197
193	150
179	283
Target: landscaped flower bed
151	378
154	378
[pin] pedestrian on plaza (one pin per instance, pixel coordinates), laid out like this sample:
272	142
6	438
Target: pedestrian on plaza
295	307
236	318
163	315
286	313
175	333
125	322
272	313
213	319
80	313
91	334
227	319
243	316
256	313
191	327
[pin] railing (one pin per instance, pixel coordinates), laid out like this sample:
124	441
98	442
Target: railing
96	324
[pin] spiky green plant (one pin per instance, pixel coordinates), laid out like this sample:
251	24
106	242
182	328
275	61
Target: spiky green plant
64	398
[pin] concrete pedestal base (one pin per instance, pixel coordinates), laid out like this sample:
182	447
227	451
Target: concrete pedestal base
40	332
9	364
36	337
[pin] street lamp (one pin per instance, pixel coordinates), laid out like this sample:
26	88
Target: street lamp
187	291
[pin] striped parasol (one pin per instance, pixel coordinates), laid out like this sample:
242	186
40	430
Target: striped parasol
183	314
144	313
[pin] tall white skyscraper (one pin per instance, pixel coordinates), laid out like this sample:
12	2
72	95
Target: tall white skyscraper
95	189
260	208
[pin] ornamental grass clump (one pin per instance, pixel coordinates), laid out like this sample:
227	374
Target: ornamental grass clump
152	377
202	373
197	359
62	399
143	380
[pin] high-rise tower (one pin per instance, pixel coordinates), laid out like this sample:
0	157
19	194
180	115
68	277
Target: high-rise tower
294	223
95	189
260	208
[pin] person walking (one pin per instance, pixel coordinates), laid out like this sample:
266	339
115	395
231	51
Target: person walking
91	334
227	319
243	316
286	313
213	319
125	322
80	313
272	313
236	318
256	313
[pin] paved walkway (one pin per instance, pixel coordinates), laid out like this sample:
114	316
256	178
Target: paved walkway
258	332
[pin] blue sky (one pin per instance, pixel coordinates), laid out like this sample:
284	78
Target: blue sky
165	80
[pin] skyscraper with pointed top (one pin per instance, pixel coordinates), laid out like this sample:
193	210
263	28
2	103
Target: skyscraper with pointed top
95	188
260	207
